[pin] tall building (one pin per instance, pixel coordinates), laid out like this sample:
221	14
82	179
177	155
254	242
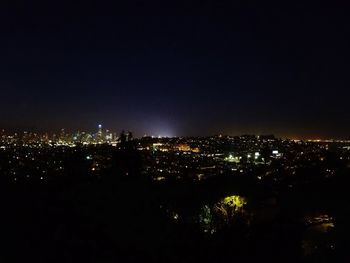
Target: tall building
125	137
129	136
62	136
99	136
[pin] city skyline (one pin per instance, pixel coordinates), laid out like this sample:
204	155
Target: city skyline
158	131
107	131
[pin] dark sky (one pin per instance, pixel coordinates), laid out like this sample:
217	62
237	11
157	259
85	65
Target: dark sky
176	67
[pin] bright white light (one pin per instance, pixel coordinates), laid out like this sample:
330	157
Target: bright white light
256	155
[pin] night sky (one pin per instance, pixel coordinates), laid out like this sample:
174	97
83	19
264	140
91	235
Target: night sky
176	68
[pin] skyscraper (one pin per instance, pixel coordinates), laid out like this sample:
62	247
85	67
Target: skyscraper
99	137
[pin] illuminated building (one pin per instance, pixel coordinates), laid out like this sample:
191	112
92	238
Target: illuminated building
99	137
184	148
195	150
